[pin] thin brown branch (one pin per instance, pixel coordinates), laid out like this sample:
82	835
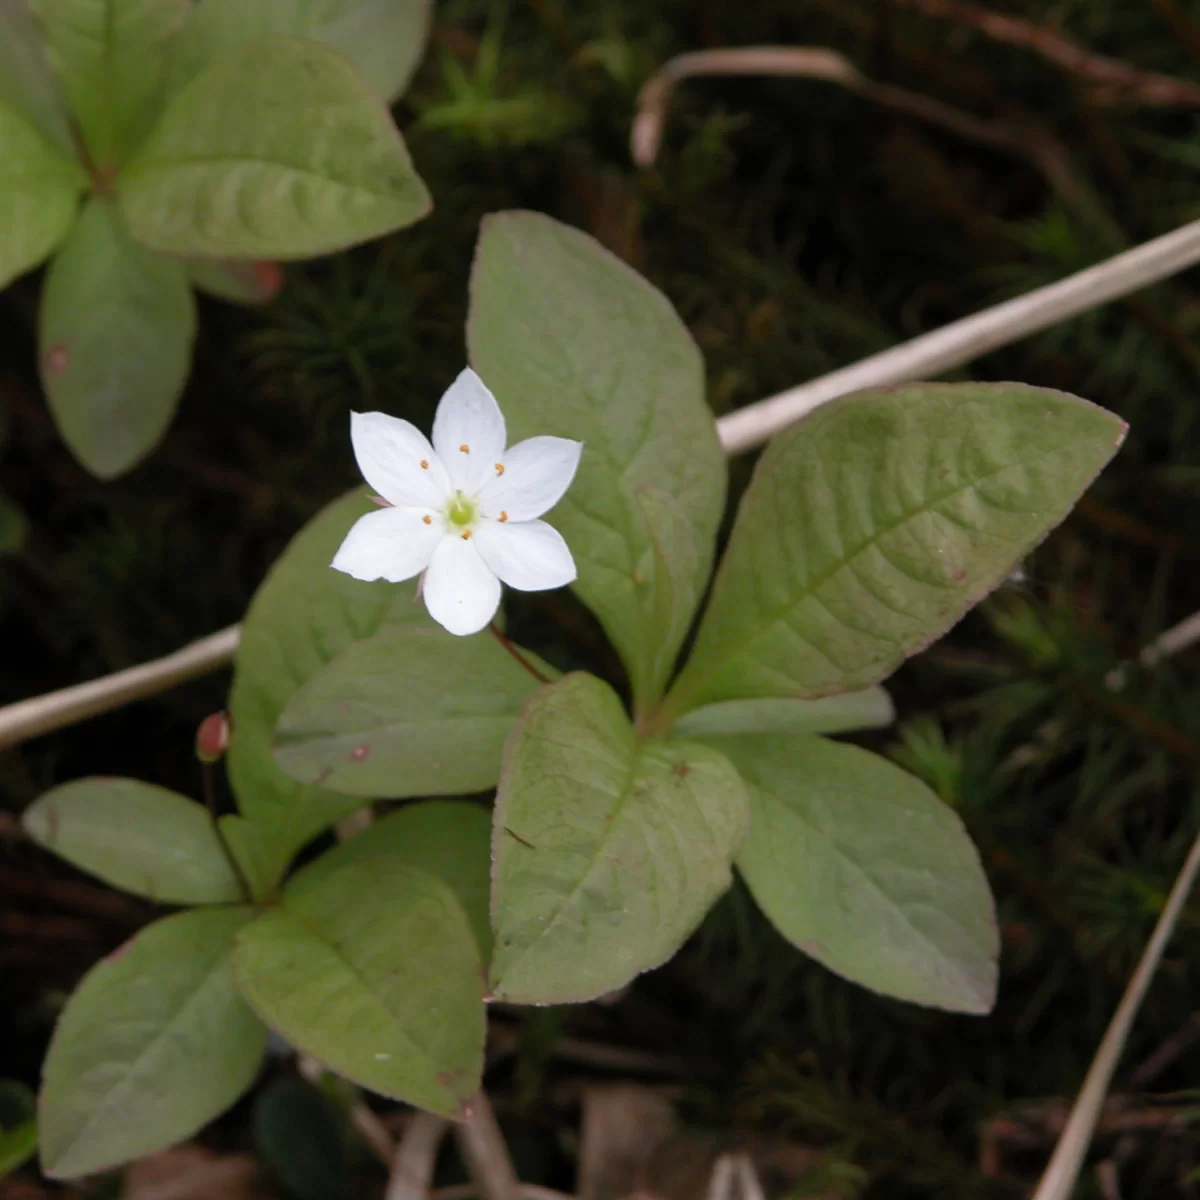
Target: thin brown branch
1062	1172
1035	145
29	718
486	1153
1109	75
415	1157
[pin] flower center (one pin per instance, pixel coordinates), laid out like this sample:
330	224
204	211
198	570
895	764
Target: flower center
461	511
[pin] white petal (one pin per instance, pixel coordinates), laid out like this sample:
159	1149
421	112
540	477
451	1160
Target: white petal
390	453
530	556
468	432
536	474
460	592
393	544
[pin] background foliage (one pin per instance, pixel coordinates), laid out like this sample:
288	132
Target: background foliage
795	227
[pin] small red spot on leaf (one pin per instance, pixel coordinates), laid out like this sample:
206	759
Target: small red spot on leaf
122	950
57	359
269	277
682	770
360	752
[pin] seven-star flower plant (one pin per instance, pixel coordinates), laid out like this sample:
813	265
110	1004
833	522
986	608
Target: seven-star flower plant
463	510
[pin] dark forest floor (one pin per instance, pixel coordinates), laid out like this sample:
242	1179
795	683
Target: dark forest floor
797	228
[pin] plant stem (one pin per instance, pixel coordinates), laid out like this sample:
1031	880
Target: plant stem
1062	1172
210	802
516	653
43	714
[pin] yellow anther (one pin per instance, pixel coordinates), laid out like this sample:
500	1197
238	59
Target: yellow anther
427	520
503	516
424	464
465	448
499	468
466	537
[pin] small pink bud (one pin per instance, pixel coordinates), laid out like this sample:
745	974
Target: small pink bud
212	738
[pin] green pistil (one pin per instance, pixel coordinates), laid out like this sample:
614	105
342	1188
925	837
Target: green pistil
461	511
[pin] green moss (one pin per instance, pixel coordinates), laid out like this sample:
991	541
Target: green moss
797	228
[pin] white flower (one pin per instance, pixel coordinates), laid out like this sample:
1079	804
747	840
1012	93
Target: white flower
462	510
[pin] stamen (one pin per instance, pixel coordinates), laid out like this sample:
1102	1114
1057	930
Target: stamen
499	468
465	448
424	464
428	520
503	516
466	535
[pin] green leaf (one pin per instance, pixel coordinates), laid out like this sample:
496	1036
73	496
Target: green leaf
275	150
414	711
869	709
575	343
27	85
111	58
608	849
153	1045
301	1136
875	524
678	577
451	839
18	1126
39	195
860	865
237	280
375	972
303	616
135	836
115	333
384	39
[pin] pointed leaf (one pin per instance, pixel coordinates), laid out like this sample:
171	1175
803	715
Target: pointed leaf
135	836
575	343
384	39
110	57
275	150
39	195
860	865
608	850
115	334
374	971
27	85
451	839
303	615
154	1044
869	709
875	524
413	711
